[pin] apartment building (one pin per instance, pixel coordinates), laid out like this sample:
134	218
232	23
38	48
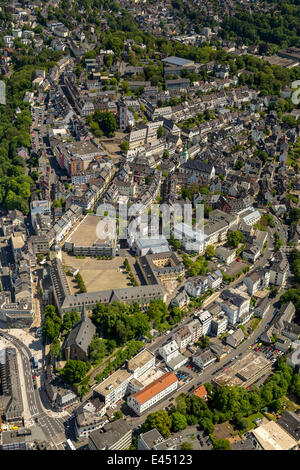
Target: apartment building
204	359
169	351
279	270
235	303
219	324
196	286
195	329
116	435
183	337
140	363
205	319
115	387
225	254
258	279
191	239
153	393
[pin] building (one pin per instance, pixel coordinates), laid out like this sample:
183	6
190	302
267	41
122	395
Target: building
66	302
123	115
153	440
76	345
219	324
141	363
271	436
195	329
204	359
160	267
11	403
115	387
205	319
145	246
169	351
183	337
235	338
235	303
89	417
290	422
196	286
262	307
214	279
116	435
257	280
279	270
191	239
200	392
16	440
94	236
153	393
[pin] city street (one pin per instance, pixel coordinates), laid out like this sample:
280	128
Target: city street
52	427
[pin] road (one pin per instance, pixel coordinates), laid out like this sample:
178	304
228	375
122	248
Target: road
52	427
207	374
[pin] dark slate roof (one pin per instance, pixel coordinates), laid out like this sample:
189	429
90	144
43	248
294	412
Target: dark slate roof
81	335
198	166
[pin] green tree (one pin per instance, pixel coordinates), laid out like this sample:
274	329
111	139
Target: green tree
186	446
159	420
74	370
222	444
160	132
210	252
107	122
235	238
117	415
179	421
55	348
124	146
204	342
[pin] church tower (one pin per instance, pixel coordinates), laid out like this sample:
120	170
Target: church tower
184	156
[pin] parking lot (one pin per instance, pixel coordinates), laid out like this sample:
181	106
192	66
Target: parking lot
195	436
270	352
184	377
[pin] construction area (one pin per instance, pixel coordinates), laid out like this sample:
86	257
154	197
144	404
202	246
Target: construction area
246	371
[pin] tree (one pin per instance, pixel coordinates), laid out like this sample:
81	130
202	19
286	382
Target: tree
179	421
278	242
235	238
117	415
55	348
124	146
157	311
207	425
107	122
204	342
159	420
75	370
210	252
160	132
98	350
222	444
186	446
241	423
239	165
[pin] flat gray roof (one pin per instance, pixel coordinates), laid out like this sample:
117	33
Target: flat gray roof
177	61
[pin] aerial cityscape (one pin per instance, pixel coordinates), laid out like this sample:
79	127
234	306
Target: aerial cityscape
150	225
